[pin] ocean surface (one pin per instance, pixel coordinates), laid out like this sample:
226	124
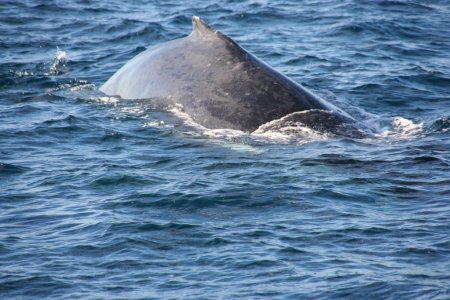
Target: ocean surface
102	198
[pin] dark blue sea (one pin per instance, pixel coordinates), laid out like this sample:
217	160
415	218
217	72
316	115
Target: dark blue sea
104	198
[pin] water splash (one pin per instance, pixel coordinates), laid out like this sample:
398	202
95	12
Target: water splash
59	65
396	127
406	127
23	73
106	99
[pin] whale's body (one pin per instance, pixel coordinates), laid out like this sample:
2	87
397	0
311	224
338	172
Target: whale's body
218	83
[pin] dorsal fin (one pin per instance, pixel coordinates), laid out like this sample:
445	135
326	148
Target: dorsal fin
200	28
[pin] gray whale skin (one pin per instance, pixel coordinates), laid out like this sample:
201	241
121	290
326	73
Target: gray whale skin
221	85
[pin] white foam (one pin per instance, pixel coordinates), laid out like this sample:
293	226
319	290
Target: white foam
107	99
281	132
59	62
23	73
178	111
406	126
266	133
228	138
292	134
156	124
401	128
75	86
132	110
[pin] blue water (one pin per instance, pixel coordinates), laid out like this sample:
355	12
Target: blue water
105	198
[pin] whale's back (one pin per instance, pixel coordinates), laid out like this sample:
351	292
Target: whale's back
219	84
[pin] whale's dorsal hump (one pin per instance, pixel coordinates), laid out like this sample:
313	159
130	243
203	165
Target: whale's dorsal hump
200	28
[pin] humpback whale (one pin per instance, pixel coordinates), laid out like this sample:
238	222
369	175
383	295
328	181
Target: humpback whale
221	85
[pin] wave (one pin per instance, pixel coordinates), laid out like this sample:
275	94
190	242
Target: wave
441	125
11	169
298	127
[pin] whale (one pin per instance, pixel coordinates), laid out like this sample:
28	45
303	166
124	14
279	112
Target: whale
219	85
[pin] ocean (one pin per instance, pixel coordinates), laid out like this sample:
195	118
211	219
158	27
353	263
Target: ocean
104	198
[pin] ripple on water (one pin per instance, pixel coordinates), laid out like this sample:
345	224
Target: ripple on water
104	198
